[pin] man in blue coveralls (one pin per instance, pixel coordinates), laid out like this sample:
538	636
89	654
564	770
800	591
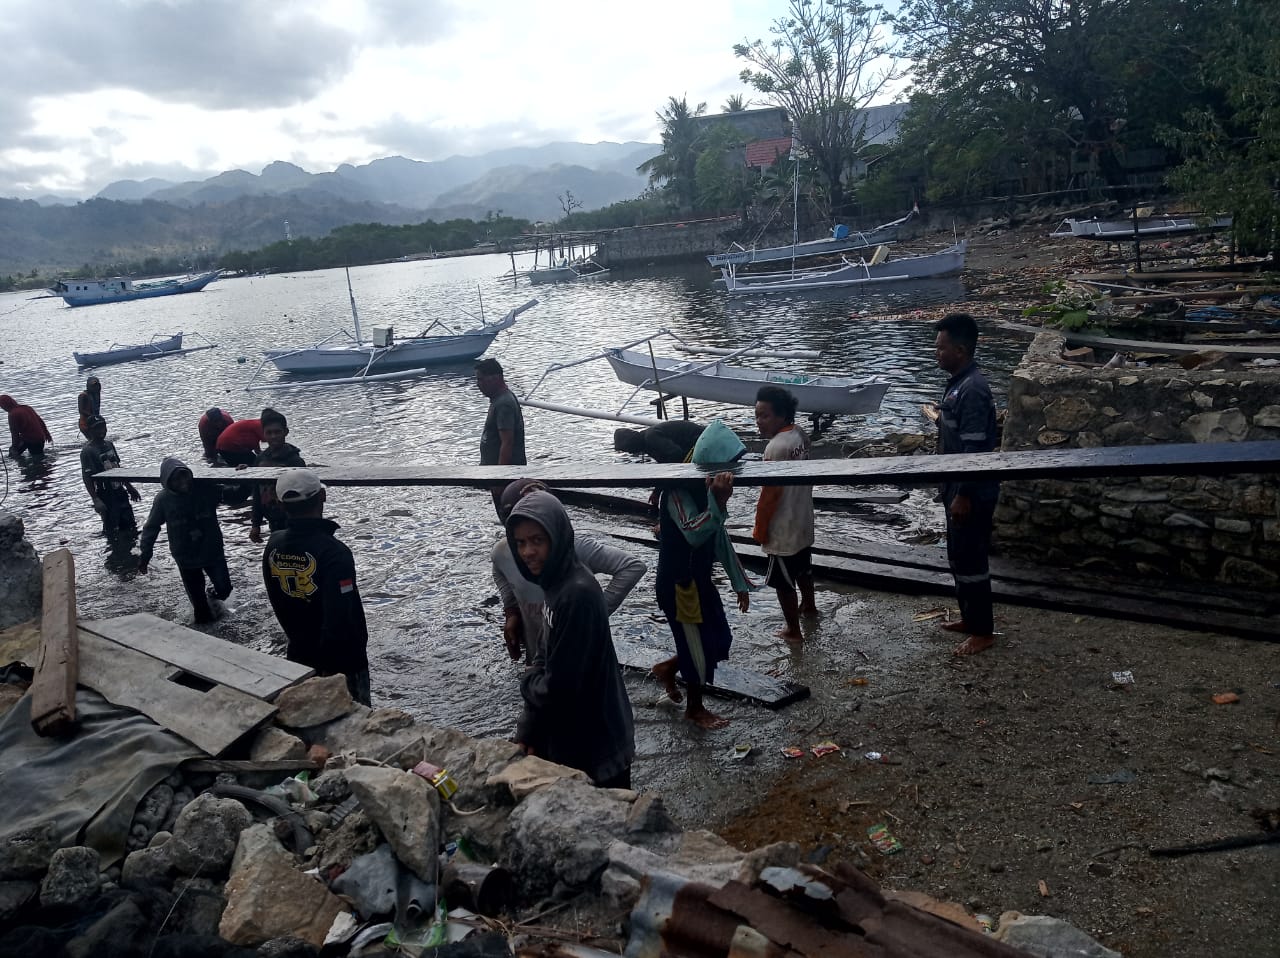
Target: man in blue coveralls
967	424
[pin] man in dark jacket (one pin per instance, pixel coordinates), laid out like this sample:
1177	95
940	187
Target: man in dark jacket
26	429
195	538
967	424
576	712
311	582
669	441
110	499
275	429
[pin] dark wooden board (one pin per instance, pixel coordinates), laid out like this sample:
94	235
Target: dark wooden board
1061	596
630	505
1165	459
732	682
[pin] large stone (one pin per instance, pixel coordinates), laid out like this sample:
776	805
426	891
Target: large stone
1068	414
529	774
73	879
1268	417
146	866
378	734
197	909
1046	937
267	897
1225	425
1237	571
314	701
276	745
26	853
21	574
560	835
206	835
406	809
353	837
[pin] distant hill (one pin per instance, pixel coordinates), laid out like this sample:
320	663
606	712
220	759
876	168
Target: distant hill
534	194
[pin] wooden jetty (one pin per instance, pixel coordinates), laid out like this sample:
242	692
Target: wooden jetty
1166	459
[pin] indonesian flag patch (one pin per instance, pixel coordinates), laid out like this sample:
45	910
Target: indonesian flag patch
346	585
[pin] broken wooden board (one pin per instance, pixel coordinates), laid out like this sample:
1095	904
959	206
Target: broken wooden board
53	690
210	717
732	682
1163	459
207	656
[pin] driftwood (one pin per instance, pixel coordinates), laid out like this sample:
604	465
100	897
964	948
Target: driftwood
53	691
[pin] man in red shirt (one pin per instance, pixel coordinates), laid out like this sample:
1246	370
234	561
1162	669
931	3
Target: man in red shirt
238	443
26	427
212	424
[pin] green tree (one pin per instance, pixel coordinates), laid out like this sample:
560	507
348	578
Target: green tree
736	103
827	62
720	173
675	167
1232	146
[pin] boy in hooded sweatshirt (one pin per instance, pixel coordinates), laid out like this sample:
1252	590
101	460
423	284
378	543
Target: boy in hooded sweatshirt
576	711
195	538
275	430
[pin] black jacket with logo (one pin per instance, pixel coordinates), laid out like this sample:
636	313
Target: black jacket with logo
311	582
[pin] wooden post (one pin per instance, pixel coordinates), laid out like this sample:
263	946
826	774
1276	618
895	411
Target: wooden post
53	691
1137	242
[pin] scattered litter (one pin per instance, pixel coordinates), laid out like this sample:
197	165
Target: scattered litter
986	923
792	751
1121	776
1122	678
1044	888
873	756
824	748
940	613
846	805
1225	698
883	839
740	751
439	777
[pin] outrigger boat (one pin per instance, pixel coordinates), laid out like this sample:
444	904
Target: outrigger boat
157	347
1122	229
841	240
715	380
385	357
565	272
89	292
879	269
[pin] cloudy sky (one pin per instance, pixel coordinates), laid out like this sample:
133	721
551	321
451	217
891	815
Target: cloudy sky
93	91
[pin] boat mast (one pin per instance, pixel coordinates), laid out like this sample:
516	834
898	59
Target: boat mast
355	316
795	196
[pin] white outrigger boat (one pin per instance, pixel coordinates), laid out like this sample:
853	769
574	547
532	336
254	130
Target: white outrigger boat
384	357
1122	229
158	346
715	380
566	272
841	240
878	269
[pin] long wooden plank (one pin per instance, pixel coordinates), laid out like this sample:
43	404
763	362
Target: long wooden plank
209	657
53	689
1165	459
210	720
731	682
914	580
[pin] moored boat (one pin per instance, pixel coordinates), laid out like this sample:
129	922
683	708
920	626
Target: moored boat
841	240
158	346
1121	229
567	272
879	269
89	292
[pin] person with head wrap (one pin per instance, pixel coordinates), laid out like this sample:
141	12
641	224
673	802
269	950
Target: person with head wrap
89	402
691	538
26	429
275	429
576	710
523	602
212	424
190	510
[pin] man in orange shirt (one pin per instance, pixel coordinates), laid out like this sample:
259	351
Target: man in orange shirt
784	514
27	429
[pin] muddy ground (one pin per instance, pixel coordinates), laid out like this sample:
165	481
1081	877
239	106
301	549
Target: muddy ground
987	761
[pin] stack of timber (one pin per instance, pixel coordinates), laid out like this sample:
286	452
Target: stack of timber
202	688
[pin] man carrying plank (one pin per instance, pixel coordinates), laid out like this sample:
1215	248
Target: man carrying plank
967	424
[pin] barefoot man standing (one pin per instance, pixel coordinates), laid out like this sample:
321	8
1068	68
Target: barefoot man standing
967	424
784	514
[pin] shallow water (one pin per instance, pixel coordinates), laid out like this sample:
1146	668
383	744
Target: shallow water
422	553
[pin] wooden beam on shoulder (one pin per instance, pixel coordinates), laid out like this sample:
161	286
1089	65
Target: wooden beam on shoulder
53	691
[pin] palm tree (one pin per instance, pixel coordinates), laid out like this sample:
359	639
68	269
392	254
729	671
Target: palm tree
736	104
676	165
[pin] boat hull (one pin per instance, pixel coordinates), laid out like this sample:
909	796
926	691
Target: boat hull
94	292
406	354
926	266
561	274
1147	226
737	385
128	354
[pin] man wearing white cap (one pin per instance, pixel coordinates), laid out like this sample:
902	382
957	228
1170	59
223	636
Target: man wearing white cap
311	582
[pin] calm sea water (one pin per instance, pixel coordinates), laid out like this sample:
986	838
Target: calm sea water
422	553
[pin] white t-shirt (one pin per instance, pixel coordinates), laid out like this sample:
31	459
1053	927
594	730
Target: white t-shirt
791	528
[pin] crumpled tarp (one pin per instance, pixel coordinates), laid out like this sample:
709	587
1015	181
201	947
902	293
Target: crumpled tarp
88	785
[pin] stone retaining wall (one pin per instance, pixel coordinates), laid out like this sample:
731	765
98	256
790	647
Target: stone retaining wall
669	241
1217	530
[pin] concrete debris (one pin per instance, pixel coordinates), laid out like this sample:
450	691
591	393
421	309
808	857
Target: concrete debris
146	866
73	878
406	809
276	745
206	835
267	897
313	702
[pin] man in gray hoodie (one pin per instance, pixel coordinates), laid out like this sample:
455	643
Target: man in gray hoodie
195	538
576	710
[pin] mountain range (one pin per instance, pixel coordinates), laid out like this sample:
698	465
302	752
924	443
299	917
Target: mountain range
132	219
